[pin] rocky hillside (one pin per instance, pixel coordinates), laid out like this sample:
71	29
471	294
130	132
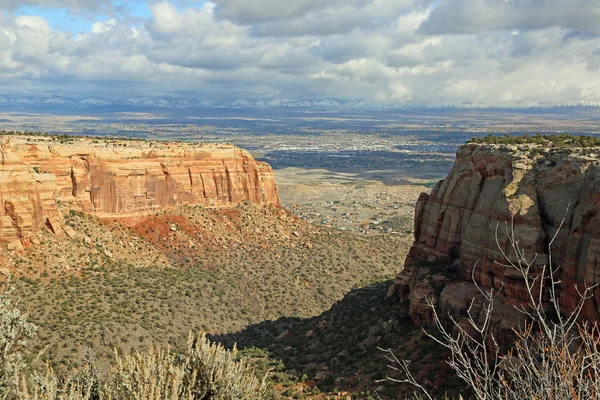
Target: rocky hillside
491	186
126	284
116	177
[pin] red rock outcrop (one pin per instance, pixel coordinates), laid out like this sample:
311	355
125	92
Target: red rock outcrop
489	188
124	178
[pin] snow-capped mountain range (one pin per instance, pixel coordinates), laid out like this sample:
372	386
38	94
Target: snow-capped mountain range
176	101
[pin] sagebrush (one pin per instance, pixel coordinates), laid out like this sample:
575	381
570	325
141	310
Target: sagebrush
14	330
205	371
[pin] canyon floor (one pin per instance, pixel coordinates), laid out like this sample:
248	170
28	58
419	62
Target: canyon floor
302	292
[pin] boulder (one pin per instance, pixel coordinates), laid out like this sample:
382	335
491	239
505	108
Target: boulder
70	231
419	310
15	245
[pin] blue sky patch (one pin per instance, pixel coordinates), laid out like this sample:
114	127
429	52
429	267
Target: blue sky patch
61	19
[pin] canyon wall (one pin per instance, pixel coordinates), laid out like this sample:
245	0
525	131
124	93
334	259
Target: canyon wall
119	178
462	225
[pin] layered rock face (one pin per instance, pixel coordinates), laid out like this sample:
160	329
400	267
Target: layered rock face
464	222
120	178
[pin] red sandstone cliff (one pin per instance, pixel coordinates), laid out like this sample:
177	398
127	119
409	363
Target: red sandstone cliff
110	178
533	186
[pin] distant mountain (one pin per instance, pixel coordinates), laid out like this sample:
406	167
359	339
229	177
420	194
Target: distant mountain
186	101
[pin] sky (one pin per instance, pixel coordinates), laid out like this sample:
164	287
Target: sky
495	52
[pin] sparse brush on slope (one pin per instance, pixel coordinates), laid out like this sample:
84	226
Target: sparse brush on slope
220	271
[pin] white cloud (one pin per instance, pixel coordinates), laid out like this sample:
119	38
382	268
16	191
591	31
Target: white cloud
103	27
167	19
496	52
34	23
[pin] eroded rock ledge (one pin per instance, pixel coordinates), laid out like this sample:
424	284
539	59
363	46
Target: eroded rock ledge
490	186
119	178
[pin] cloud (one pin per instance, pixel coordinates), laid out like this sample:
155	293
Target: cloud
400	51
259	11
72	5
311	17
355	45
104	26
474	16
